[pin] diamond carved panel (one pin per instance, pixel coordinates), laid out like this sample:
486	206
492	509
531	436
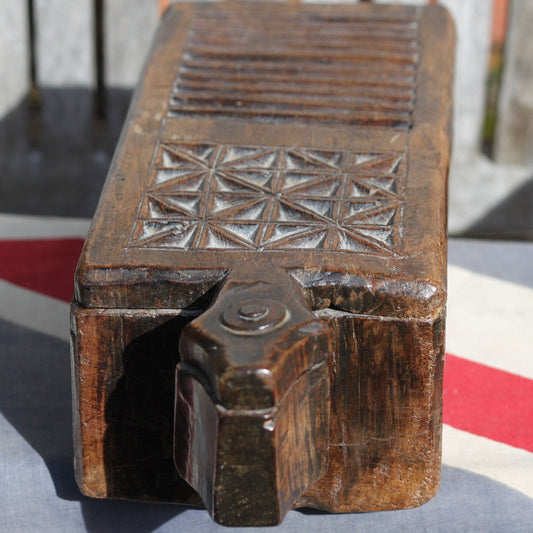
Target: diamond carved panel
225	197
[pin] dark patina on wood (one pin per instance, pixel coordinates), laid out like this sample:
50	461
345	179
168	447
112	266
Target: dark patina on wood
258	321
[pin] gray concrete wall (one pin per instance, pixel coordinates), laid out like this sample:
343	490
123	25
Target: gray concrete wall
129	27
64	43
514	134
14	64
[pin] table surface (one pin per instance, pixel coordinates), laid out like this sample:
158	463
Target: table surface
487	482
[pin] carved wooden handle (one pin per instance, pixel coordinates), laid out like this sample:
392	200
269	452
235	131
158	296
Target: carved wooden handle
252	402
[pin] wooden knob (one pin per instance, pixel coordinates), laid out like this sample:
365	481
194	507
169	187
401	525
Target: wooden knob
252	402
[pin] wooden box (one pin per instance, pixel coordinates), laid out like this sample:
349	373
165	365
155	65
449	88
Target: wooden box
273	227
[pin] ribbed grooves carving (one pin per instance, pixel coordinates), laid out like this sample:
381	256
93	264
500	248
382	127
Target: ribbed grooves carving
304	65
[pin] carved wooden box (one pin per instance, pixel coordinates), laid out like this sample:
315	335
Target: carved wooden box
259	307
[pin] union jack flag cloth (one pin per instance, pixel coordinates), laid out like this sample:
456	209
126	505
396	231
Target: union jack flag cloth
487	481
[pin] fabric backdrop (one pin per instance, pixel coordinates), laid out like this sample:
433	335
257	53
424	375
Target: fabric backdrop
487	481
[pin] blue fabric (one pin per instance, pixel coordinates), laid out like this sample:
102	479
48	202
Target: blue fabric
38	491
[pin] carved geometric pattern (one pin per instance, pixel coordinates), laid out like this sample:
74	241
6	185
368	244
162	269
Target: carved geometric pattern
204	196
306	65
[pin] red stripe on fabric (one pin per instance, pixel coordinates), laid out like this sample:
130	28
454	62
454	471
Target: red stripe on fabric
488	402
44	265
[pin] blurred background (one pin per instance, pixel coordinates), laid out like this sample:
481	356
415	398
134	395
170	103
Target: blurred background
67	71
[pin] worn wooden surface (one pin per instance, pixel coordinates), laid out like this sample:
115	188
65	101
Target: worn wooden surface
314	176
381	203
252	407
123	406
385	435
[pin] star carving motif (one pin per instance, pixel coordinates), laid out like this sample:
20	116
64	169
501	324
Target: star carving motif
226	197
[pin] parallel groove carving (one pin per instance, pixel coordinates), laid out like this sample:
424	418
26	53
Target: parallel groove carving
204	196
306	65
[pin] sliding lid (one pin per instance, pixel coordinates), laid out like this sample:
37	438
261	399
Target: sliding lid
312	139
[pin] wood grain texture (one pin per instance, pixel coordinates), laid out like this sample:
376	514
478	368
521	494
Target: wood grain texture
328	242
252	408
303	55
251	466
385	434
152	125
123	369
